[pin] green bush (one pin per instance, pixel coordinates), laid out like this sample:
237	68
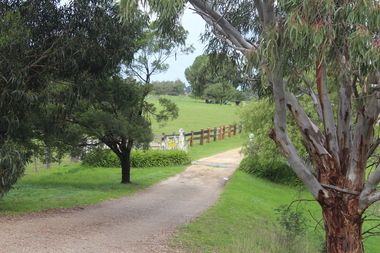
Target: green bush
139	158
101	158
274	171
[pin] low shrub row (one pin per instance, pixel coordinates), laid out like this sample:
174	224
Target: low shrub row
274	171
139	158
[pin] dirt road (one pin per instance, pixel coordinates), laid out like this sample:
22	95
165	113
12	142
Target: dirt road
142	222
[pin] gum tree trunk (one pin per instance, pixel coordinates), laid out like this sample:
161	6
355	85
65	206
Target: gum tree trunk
343	225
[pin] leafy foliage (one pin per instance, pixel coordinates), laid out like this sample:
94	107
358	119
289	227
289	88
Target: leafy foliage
46	46
205	73
154	50
139	158
274	171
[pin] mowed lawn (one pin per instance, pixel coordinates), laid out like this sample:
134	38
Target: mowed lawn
195	115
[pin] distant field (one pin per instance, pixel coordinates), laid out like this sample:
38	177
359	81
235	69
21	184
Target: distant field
195	115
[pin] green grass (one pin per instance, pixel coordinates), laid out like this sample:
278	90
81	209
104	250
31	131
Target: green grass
195	115
75	185
244	220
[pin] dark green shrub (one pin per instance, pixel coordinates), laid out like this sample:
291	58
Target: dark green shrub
101	158
274	171
159	158
139	158
250	164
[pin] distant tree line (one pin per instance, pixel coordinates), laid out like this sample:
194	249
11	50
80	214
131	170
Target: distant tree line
217	78
172	88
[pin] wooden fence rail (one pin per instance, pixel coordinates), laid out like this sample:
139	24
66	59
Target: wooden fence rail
205	135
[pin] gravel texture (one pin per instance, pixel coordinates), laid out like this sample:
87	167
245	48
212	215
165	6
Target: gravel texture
142	222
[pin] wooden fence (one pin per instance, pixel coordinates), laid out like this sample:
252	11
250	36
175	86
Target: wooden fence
205	135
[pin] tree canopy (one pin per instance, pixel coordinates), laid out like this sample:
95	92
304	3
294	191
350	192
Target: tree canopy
43	44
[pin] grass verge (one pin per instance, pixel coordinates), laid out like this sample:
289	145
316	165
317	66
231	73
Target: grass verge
244	220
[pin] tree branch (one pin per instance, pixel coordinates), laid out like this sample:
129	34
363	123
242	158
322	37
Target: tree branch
336	188
369	194
363	134
212	17
344	122
280	136
327	112
373	147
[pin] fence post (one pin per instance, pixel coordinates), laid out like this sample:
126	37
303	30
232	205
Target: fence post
208	135
202	136
240	127
229	130
219	133
215	133
192	139
235	129
223	132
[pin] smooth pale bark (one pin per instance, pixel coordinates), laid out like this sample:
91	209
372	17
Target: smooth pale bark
280	136
327	111
344	122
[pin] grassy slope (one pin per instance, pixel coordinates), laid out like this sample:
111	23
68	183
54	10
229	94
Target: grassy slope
195	115
243	220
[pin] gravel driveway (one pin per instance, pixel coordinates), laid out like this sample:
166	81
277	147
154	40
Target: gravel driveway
142	222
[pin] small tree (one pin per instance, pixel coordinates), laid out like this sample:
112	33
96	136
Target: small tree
112	116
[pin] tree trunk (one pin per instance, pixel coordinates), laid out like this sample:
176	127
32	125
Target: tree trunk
343	225
125	160
125	167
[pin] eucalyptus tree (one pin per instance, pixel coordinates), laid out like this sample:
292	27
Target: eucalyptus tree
44	45
339	42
